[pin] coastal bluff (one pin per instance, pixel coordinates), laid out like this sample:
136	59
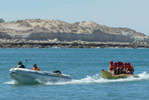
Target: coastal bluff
47	30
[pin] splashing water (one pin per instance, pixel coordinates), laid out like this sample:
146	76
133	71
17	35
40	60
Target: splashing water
12	82
98	79
93	80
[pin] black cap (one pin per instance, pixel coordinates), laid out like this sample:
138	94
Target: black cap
35	65
20	62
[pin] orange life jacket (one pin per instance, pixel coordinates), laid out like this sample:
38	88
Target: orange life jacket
111	66
131	68
36	68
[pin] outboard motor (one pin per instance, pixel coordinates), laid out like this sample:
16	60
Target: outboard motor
57	71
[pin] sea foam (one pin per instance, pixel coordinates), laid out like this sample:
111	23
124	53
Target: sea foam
95	79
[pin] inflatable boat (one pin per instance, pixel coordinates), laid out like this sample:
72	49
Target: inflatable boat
22	75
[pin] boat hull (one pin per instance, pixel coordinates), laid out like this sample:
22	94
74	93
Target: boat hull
109	75
21	75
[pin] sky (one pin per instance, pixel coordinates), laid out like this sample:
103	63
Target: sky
132	14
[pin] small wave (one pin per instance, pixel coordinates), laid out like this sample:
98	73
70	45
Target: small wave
98	79
12	82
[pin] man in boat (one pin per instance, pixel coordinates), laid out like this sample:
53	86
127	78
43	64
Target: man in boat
116	68
35	67
20	65
130	69
123	68
119	68
111	67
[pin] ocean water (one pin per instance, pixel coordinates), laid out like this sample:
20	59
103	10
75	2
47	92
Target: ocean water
84	66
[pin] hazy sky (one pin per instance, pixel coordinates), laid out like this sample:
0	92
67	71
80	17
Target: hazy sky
132	14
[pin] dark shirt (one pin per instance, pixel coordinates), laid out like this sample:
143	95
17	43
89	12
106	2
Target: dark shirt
20	66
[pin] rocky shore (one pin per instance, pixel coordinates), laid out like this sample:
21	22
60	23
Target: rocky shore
72	44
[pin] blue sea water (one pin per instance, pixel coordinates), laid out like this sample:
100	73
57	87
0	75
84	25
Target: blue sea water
84	66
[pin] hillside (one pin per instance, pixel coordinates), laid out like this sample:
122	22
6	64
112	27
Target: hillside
37	29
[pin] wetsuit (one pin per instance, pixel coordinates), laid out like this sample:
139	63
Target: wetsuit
20	66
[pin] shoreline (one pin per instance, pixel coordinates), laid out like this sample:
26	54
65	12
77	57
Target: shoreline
73	44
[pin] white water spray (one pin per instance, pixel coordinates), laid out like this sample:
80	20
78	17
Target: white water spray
96	79
10	82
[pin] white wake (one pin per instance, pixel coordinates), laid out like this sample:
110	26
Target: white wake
96	79
10	82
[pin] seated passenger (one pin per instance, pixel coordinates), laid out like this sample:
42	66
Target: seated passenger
125	68
20	65
128	68
119	68
35	67
131	70
116	72
111	67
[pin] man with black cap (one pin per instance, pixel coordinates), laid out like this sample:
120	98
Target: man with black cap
20	65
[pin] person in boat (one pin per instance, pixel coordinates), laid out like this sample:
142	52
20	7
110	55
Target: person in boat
20	65
119	68
35	67
116	71
115	68
124	68
111	67
130	69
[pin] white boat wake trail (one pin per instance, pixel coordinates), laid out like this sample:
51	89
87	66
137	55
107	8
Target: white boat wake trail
96	79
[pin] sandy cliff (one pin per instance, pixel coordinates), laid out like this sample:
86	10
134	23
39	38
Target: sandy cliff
37	29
